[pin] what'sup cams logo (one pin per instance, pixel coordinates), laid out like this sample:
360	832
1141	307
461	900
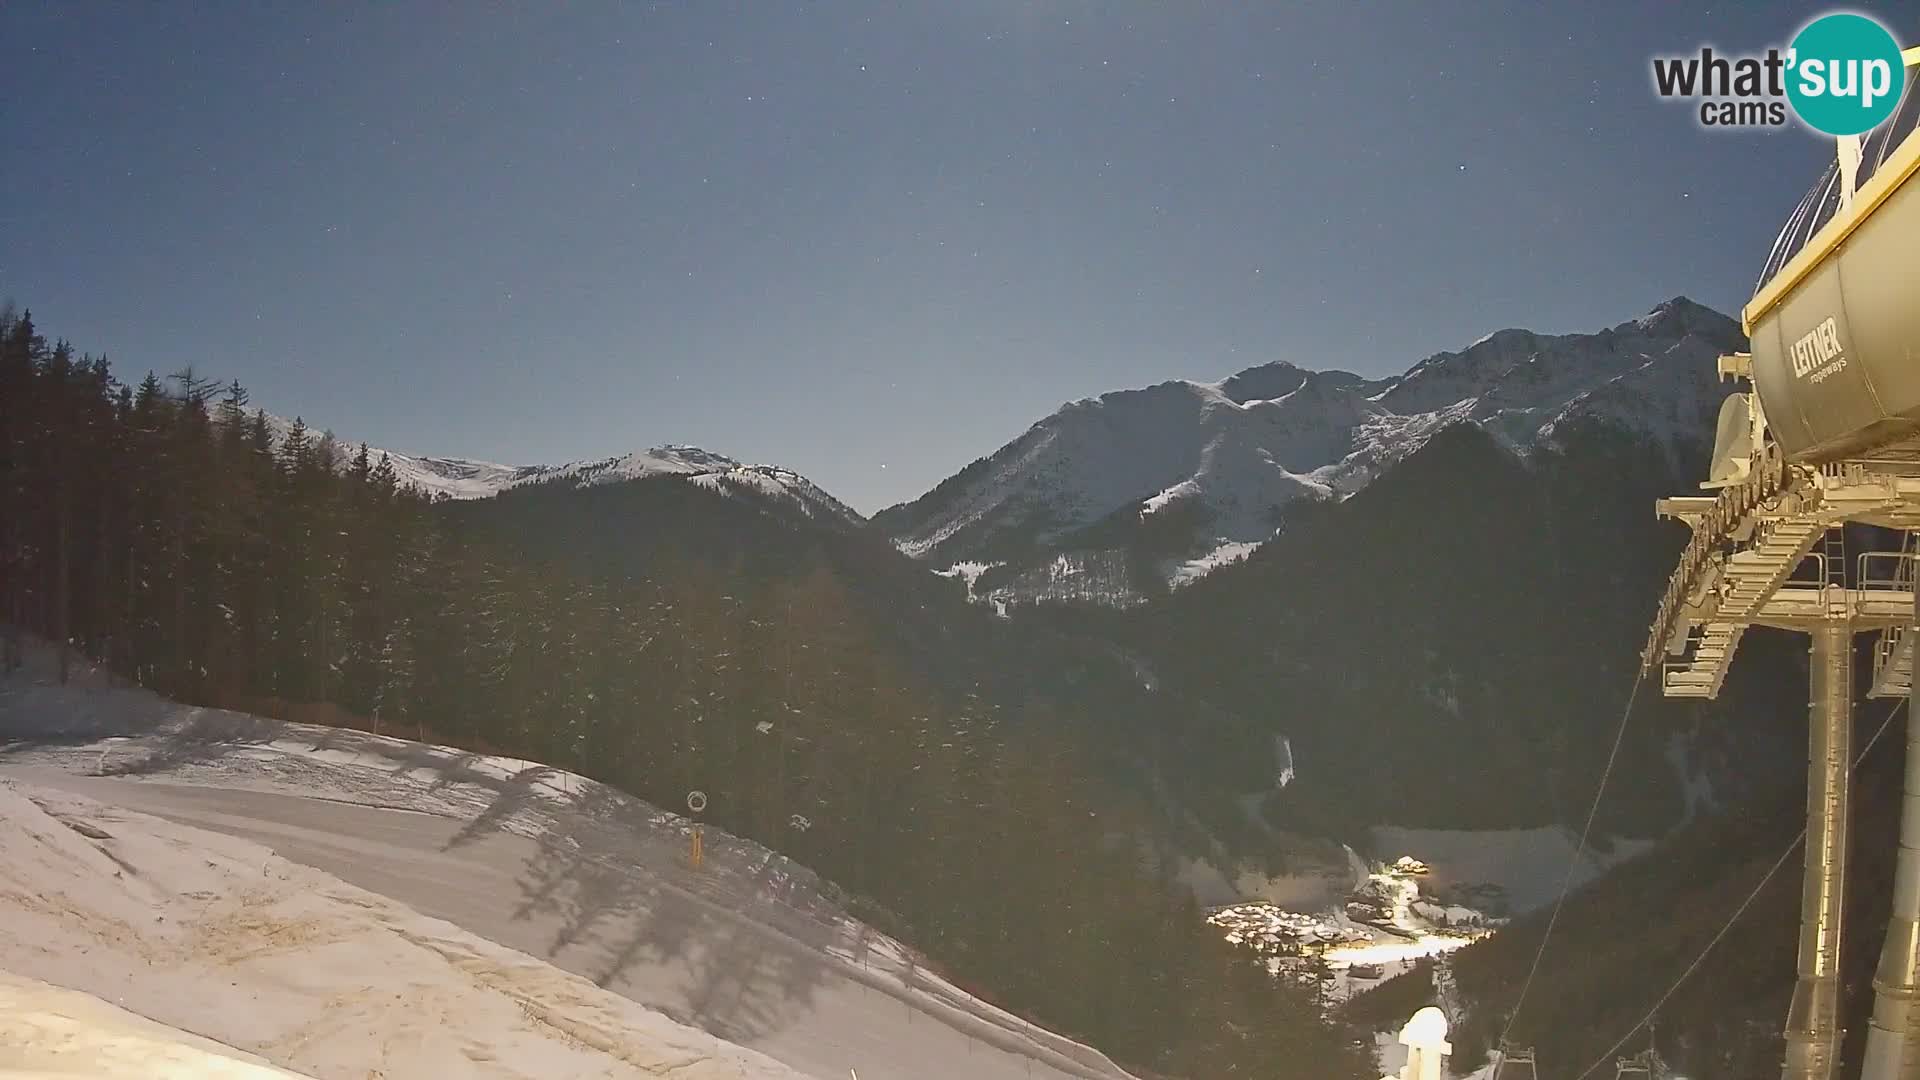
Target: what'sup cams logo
1842	75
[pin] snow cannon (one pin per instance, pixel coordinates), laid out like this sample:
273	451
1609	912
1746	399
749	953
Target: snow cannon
1834	322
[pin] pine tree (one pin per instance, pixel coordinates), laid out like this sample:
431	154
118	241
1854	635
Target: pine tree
21	348
189	467
383	479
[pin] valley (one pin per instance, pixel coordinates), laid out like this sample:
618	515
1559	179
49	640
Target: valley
1383	927
674	619
1018	541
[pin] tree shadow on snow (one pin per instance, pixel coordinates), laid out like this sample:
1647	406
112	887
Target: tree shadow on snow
200	736
628	912
510	798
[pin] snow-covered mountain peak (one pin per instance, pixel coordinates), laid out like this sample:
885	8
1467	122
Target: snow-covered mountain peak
1230	453
1681	316
1449	377
466	478
660	461
1280	379
1266	381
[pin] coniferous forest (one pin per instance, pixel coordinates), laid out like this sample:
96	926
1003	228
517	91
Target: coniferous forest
167	528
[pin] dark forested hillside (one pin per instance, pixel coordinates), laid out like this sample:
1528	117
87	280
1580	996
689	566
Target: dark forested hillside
1453	645
1034	678
164	529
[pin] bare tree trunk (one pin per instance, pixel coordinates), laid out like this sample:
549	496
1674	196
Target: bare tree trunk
128	661
104	632
10	622
9	573
786	721
63	573
182	658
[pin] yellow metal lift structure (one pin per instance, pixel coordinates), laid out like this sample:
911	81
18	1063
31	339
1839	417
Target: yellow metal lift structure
1825	434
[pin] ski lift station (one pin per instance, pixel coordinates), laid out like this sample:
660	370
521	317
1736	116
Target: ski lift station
1824	433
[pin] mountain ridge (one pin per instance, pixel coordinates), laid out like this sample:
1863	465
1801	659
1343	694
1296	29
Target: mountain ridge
465	479
1231	454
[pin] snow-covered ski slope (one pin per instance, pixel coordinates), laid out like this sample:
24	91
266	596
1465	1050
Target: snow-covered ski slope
579	878
47	1031
219	936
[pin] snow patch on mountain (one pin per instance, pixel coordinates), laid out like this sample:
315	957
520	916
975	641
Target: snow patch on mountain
1193	570
968	572
1067	577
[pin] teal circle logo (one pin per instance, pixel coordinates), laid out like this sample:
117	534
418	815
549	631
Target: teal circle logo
1844	74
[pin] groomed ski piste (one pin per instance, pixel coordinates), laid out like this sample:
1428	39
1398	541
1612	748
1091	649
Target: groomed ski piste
339	904
46	1031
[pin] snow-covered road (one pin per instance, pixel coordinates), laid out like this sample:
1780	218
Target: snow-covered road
559	868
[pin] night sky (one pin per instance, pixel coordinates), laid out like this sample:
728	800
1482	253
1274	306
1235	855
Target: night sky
871	241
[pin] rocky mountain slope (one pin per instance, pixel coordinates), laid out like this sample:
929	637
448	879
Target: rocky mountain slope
1181	476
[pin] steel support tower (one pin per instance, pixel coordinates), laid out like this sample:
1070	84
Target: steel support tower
1824	434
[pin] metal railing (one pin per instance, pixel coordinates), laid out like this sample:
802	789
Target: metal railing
1888	649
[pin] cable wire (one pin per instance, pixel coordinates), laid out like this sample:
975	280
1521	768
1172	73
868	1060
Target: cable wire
1731	919
1573	864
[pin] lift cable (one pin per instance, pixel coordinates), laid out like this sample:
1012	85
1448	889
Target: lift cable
1737	913
1573	864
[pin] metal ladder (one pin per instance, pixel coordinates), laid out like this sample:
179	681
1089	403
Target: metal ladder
1833	561
1893	652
